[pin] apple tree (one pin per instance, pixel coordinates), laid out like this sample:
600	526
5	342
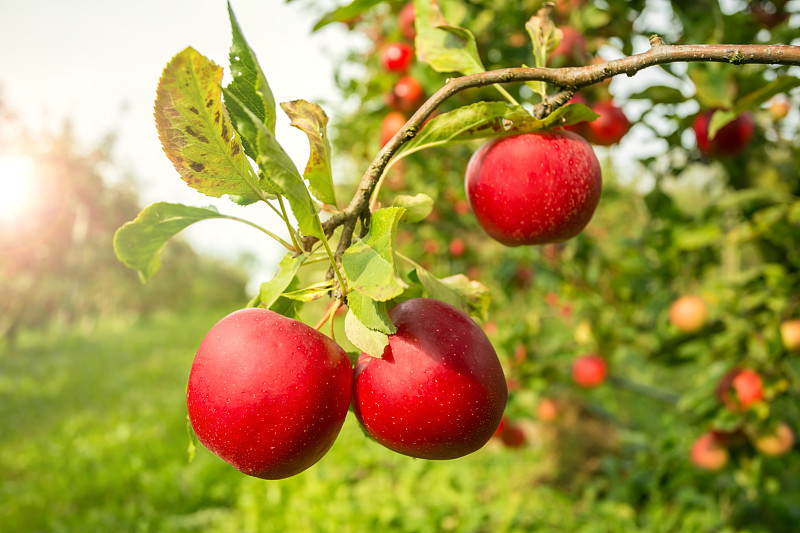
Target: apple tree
644	331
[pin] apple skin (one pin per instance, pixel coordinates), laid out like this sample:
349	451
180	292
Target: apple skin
739	389
790	335
609	128
547	410
571	51
391	124
397	57
707	452
534	188
729	141
405	21
406	95
688	313
589	370
268	394
777	442
438	391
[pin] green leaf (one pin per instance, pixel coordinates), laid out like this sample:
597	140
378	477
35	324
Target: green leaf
370	313
545	37
471	296
310	293
278	168
196	132
138	243
660	94
271	290
368	340
249	85
416	207
489	120
695	238
312	120
369	263
346	12
444	47
751	102
714	86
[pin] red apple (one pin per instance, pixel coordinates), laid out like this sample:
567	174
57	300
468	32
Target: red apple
391	124
406	95
268	394
397	57
790	335
513	436
405	21
571	51
609	128
688	313
589	370
776	442
707	452
729	141
457	247
438	391
534	188
739	389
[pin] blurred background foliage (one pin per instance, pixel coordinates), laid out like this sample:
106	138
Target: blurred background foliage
57	265
104	448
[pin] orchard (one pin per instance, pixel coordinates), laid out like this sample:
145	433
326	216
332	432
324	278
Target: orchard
577	231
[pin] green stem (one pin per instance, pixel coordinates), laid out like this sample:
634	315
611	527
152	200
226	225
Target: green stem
409	260
335	266
287	245
506	94
285	217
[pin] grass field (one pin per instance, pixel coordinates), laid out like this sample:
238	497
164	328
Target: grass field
93	438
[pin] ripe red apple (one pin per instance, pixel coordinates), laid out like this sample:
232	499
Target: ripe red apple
707	452
589	370
571	51
740	388
513	436
790	335
729	141
688	313
457	247
405	21
268	394
397	57
534	188
610	127
406	95
438	391
391	124
776	442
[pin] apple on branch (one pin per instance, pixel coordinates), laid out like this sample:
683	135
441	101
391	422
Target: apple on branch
534	188
438	391
708	453
268	394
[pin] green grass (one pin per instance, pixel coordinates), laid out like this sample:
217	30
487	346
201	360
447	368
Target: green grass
93	438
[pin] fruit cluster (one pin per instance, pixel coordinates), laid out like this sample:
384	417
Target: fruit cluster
269	394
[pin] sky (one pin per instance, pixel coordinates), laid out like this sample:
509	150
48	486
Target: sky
97	64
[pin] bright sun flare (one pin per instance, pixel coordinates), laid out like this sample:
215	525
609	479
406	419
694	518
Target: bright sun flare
17	187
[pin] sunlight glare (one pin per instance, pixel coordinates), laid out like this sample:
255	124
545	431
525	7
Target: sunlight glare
17	187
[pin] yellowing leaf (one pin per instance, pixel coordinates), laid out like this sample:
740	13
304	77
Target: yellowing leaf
196	132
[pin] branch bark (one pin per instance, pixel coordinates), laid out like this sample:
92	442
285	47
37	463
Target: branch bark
569	80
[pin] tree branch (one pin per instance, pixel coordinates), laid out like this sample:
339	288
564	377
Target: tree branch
569	80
